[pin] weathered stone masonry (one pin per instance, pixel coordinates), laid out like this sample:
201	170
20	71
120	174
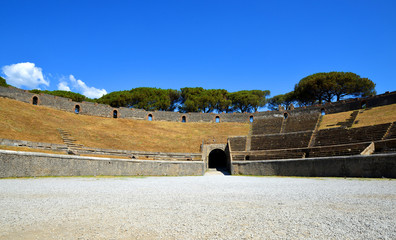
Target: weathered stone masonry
27	164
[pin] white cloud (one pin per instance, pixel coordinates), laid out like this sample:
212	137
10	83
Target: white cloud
24	74
28	75
63	86
90	92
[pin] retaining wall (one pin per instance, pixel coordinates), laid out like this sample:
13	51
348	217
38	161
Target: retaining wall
378	165
103	110
102	151
28	164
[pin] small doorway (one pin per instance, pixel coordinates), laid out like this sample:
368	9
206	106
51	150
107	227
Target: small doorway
218	159
35	100
77	109
115	114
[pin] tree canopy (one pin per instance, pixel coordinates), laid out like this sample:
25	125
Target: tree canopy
188	99
149	99
248	100
204	100
313	89
320	87
3	82
283	100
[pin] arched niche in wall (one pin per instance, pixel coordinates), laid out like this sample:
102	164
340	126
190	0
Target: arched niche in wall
251	118
322	111
150	117
77	109
285	115
35	100
363	104
184	119
217	119
115	113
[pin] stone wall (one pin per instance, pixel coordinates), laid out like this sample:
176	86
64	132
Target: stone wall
27	164
34	145
101	151
378	165
102	110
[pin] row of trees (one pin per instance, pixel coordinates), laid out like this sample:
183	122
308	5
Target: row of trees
187	99
313	89
324	87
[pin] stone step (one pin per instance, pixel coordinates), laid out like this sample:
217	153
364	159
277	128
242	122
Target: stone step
214	172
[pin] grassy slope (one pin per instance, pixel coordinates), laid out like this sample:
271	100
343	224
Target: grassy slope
23	121
366	117
333	120
378	115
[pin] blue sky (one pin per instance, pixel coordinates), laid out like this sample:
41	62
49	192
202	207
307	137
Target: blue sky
94	47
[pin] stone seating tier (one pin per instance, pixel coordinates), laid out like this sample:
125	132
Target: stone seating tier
268	125
238	143
281	141
385	146
392	131
337	136
303	122
340	150
326	151
268	155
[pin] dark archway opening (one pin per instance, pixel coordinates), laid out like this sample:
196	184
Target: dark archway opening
115	114
218	159
35	100
217	119
150	117
77	109
323	112
184	119
285	115
251	119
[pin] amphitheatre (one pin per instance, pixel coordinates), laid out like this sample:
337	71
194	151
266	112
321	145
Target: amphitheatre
350	138
82	170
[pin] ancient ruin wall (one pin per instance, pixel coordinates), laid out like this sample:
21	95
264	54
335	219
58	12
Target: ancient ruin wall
94	109
377	165
27	164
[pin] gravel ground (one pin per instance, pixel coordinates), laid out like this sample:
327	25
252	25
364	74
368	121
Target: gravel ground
209	207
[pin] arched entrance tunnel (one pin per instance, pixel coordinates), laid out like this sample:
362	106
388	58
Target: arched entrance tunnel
218	159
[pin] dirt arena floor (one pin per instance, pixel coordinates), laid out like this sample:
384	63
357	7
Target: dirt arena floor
208	207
